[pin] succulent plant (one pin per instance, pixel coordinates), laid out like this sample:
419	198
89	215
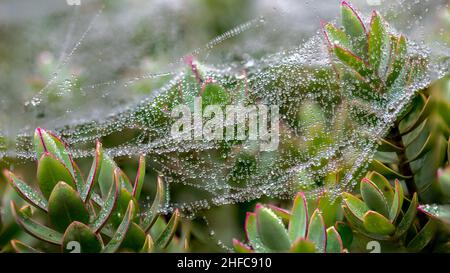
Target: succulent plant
77	214
266	230
378	64
379	215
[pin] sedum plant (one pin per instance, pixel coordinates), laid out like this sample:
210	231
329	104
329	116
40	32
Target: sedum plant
375	64
266	230
99	214
378	214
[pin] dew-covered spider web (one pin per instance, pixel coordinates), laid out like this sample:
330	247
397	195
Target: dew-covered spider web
112	71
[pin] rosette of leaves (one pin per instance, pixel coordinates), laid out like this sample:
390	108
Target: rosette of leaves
99	214
266	230
376	65
384	213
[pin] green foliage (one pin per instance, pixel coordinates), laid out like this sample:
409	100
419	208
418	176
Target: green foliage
107	222
267	232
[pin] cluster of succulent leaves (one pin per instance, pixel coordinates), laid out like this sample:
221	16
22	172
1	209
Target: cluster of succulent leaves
99	214
266	230
405	170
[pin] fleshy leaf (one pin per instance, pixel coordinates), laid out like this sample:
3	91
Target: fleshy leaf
345	233
302	245
356	206
66	206
107	208
351	60
271	230
78	232
35	229
373	197
151	214
376	223
399	60
140	178
28	193
118	237
240	247
425	235
252	233
285	215
94	173
441	212
397	202
334	241
408	218
46	142
299	219
378	45
135	238
169	231
148	245
335	36
51	171
383	185
317	231
354	28
20	247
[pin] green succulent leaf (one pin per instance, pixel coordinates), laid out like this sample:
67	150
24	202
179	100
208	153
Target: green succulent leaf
118	237
378	45
335	36
148	245
330	208
21	247
28	193
373	197
46	142
397	202
66	206
135	238
240	247
78	232
351	60
299	220
271	230
425	235
51	171
355	29
252	233
334	241
285	215
440	212
356	206
108	207
151	214
382	169
376	223
34	228
169	231
302	245
382	184
317	231
106	176
399	60
94	173
140	178
346	234
408	218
